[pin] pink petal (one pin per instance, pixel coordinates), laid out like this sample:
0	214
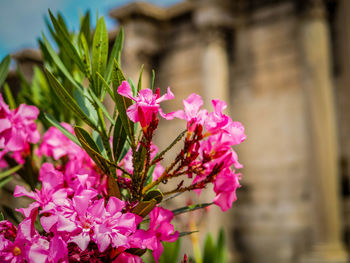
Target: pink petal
125	90
115	205
168	96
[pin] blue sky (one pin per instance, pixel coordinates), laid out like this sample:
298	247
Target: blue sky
22	21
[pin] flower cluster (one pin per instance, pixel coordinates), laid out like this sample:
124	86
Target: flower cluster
17	130
207	153
83	211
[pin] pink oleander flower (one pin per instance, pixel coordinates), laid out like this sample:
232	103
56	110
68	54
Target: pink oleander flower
160	229
55	144
125	257
28	246
115	227
146	104
192	112
17	129
216	120
225	186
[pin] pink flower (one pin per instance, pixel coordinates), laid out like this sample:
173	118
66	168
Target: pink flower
55	144
146	104
115	227
192	112
28	246
160	229
17	128
216	120
225	186
127	258
235	131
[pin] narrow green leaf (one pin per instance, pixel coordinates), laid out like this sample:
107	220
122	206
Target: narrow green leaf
66	133
150	174
133	88
102	107
154	194
221	252
122	102
10	171
68	100
152	79
58	62
86	137
86	56
106	86
92	149
182	234
5	180
115	53
2	218
84	102
113	188
139	84
99	53
9	97
85	28
143	208
4	68
190	208
209	250
119	139
171	252
66	43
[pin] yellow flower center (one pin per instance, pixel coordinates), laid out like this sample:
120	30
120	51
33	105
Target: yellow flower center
16	251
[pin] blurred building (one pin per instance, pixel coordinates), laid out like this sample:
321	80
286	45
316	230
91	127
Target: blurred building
283	67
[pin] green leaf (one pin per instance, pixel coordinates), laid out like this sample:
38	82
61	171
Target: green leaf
171	252
86	56
91	148
66	43
190	208
102	107
119	138
85	28
106	86
55	123
85	103
58	62
122	102
182	234
221	252
143	208
209	250
4	68
10	171
150	174
133	88
115	53
139	84
2	218
9	97
99	54
5	180
66	99
154	194
152	79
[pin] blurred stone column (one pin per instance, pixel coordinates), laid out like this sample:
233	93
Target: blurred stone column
141	23
214	19
324	152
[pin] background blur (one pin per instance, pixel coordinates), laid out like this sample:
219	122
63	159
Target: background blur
283	67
